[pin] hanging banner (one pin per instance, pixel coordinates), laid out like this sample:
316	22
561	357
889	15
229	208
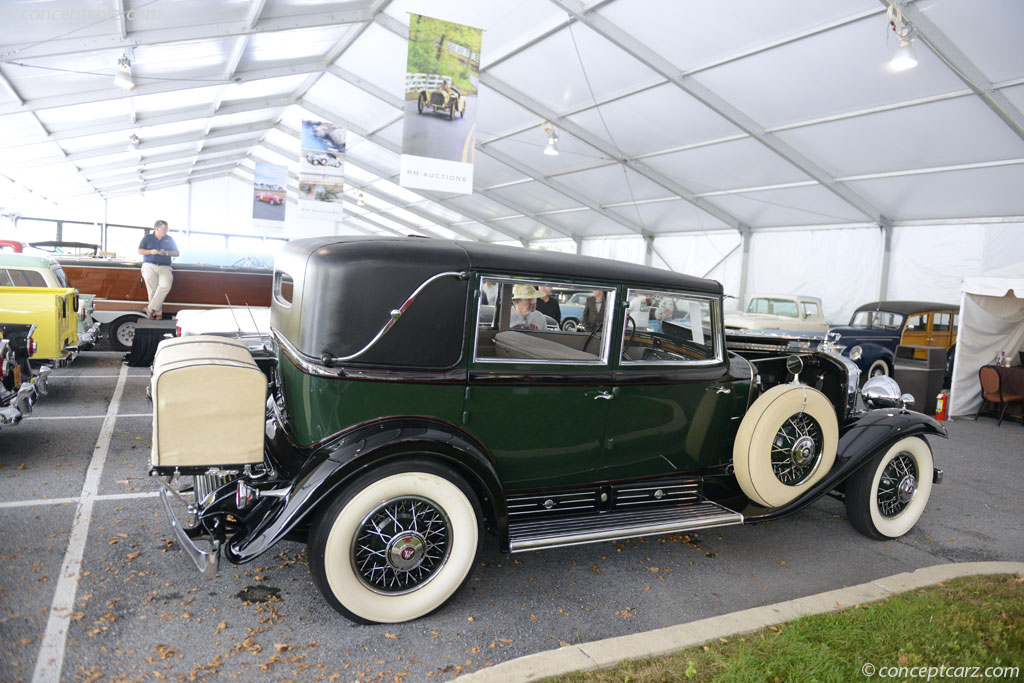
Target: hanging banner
321	171
268	202
441	84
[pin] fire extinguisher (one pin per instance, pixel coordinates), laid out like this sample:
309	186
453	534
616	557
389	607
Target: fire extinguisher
942	405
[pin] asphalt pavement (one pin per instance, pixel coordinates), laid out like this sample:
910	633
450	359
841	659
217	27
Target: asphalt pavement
267	211
431	134
73	481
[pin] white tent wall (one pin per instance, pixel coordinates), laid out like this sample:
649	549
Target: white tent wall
842	266
991	322
930	262
714	255
625	249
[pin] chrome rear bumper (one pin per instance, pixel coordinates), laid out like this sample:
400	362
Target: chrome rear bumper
89	337
206	561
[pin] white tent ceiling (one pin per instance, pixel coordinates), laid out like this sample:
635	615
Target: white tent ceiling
673	116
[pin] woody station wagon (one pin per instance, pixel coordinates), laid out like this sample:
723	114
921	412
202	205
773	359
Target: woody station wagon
392	425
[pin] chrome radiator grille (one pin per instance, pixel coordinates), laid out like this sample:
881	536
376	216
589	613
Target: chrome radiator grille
205	484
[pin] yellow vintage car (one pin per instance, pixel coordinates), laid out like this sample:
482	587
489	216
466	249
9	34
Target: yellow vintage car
53	311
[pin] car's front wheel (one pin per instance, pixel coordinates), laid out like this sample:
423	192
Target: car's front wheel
122	332
421	102
886	497
570	325
397	544
877	369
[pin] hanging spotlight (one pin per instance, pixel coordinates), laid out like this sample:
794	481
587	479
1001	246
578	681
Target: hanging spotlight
551	149
134	140
904	58
123	78
360	201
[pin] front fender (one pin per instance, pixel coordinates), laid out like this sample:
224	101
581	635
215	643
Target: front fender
339	460
859	441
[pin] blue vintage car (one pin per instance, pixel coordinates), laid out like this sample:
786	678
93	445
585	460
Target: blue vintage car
877	328
572	311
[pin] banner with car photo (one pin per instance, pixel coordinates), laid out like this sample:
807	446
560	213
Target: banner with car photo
322	171
269	194
441	85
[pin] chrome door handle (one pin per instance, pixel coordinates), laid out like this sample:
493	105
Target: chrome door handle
605	395
720	390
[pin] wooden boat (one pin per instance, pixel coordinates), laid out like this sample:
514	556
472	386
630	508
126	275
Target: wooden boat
121	296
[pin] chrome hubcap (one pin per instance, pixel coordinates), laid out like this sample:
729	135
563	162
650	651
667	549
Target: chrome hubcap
897	485
401	545
797	449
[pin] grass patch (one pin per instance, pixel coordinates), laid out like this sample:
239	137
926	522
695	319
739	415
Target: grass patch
969	621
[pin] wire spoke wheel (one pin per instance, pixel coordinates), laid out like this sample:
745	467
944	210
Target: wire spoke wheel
401	545
897	485
797	449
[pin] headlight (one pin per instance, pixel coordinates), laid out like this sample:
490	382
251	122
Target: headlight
856	352
881	392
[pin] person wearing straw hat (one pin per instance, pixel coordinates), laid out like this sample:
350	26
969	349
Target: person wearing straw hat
525	315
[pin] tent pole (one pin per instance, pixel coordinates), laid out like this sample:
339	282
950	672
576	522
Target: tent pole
883	286
744	266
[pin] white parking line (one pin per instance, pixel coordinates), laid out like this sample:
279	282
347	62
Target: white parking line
65	501
87	417
51	652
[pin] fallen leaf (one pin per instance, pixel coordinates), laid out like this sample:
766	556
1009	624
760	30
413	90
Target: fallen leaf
392	636
533	617
281	647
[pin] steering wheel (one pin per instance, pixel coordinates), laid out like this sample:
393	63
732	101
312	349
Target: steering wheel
629	319
593	334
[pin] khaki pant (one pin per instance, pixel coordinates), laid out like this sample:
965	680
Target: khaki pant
158	283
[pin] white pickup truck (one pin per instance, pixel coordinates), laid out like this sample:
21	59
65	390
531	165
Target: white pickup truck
780	312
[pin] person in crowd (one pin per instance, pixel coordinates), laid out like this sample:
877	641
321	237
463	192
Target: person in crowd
525	315
639	310
593	311
489	293
548	305
157	249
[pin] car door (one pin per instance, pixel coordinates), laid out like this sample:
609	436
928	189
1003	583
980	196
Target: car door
941	329
676	402
537	399
916	330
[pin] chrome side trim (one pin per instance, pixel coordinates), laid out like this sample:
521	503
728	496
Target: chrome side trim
556	533
395	315
206	561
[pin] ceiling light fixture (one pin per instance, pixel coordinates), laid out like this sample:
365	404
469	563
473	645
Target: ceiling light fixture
123	78
134	140
551	149
360	201
904	58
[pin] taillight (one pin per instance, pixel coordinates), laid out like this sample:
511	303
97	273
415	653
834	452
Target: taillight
177	331
32	346
81	312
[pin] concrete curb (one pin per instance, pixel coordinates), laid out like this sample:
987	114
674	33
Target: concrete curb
600	654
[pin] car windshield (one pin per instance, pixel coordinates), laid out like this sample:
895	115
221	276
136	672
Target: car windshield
882	320
784	307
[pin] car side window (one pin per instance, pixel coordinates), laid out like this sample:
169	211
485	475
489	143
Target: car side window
532	320
940	322
283	288
810	309
917	323
683	328
956	321
5	279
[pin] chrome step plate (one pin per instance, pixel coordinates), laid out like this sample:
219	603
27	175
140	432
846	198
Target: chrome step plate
555	533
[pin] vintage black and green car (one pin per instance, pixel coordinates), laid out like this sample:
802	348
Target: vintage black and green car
393	426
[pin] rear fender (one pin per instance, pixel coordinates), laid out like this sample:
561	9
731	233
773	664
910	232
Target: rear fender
338	461
859	441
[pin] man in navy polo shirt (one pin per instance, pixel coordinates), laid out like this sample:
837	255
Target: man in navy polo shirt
157	248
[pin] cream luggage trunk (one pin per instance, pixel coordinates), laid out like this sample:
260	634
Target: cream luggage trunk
209	401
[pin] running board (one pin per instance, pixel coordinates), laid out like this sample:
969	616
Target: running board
591	528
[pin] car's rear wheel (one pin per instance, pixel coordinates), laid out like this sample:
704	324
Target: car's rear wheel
451	111
886	497
397	544
421	102
122	332
570	325
785	444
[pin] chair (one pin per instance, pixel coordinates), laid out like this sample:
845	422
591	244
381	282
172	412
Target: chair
992	392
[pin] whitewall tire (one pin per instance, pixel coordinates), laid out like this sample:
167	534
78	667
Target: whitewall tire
397	544
785	444
886	497
877	369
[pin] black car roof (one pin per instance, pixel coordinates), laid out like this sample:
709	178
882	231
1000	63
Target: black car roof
499	259
907	307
